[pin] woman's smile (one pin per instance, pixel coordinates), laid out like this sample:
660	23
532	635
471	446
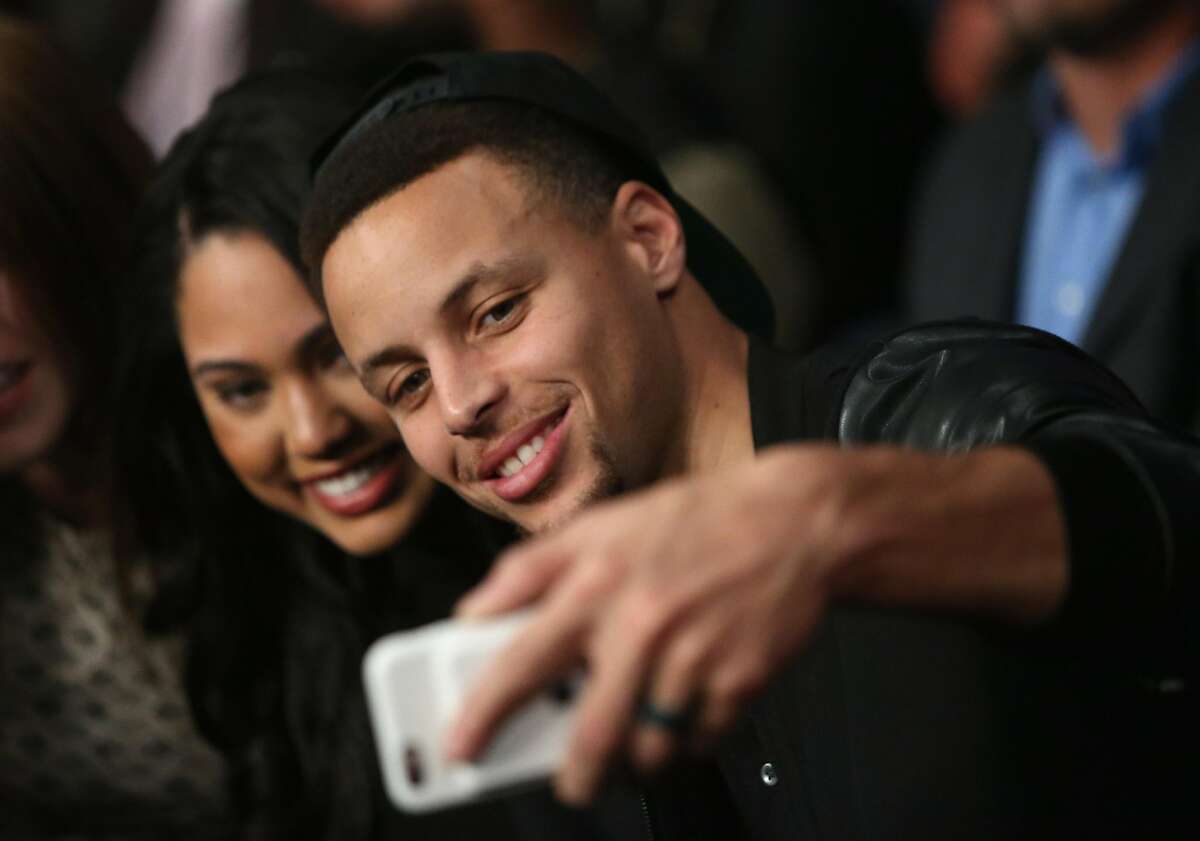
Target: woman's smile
362	486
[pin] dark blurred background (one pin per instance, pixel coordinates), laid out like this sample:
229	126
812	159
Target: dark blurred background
799	126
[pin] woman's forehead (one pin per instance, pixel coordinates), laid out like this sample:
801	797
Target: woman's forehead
237	294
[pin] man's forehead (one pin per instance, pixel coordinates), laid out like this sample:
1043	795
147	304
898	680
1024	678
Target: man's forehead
392	279
430	228
473	212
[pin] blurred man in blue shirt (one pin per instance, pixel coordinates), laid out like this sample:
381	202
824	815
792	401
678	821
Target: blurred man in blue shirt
1073	205
1084	197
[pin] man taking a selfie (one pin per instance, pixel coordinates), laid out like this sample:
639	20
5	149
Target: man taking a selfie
898	589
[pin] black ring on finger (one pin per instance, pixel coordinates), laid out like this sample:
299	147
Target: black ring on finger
673	720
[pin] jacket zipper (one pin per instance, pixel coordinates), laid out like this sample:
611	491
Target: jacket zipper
646	819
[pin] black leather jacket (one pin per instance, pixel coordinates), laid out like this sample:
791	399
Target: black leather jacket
896	726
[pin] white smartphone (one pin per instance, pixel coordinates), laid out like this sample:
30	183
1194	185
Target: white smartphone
416	682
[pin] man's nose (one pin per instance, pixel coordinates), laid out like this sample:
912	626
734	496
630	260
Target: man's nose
317	425
467	394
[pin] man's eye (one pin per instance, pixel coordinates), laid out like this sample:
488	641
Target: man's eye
413	383
243	395
498	314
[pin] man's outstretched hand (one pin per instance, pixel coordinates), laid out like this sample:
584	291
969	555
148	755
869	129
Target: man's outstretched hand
691	594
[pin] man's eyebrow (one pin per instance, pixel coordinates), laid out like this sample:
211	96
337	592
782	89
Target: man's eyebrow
388	356
477	273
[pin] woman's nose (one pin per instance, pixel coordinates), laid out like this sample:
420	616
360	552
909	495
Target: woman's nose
318	426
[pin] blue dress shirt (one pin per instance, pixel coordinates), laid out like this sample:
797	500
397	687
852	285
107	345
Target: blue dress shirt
1081	206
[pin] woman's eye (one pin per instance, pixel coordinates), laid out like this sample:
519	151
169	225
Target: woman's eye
498	314
241	395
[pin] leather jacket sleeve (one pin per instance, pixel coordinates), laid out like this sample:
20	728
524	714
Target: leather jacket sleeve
1129	490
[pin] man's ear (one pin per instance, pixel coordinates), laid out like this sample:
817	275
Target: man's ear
651	232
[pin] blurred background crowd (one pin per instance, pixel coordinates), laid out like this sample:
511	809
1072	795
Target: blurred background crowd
804	129
800	127
878	161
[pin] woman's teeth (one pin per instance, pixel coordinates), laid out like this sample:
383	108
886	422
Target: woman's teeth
351	480
525	454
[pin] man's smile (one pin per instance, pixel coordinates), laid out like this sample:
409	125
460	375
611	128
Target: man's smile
526	457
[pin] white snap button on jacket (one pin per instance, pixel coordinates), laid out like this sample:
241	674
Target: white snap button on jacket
767	772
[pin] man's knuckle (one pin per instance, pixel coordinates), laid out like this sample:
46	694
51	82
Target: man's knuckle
722	687
754	672
593	740
688	655
645	617
717	716
512	564
734	683
596	578
651	749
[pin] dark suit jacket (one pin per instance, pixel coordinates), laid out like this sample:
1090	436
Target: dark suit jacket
969	232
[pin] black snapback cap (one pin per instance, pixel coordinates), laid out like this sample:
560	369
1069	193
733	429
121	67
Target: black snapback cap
543	81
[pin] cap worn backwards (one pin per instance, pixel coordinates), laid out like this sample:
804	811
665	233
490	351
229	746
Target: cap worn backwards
543	81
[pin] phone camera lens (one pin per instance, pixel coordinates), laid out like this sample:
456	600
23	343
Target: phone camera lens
562	692
414	766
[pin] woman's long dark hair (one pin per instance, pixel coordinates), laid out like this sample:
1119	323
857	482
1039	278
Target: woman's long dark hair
276	617
71	173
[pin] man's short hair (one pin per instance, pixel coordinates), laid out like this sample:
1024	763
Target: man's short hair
529	110
559	164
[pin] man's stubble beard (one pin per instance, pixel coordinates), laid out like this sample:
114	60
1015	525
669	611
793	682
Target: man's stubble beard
1103	33
606	484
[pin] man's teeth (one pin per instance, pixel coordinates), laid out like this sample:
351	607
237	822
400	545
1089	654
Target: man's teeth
525	454
351	480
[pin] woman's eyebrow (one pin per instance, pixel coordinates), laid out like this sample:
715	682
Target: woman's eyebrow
225	366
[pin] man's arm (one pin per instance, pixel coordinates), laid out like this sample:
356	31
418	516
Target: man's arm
1123	486
696	591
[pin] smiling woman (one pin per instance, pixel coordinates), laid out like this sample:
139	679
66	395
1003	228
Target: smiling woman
289	523
283	405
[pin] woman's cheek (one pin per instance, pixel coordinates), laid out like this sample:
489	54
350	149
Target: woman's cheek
247	447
